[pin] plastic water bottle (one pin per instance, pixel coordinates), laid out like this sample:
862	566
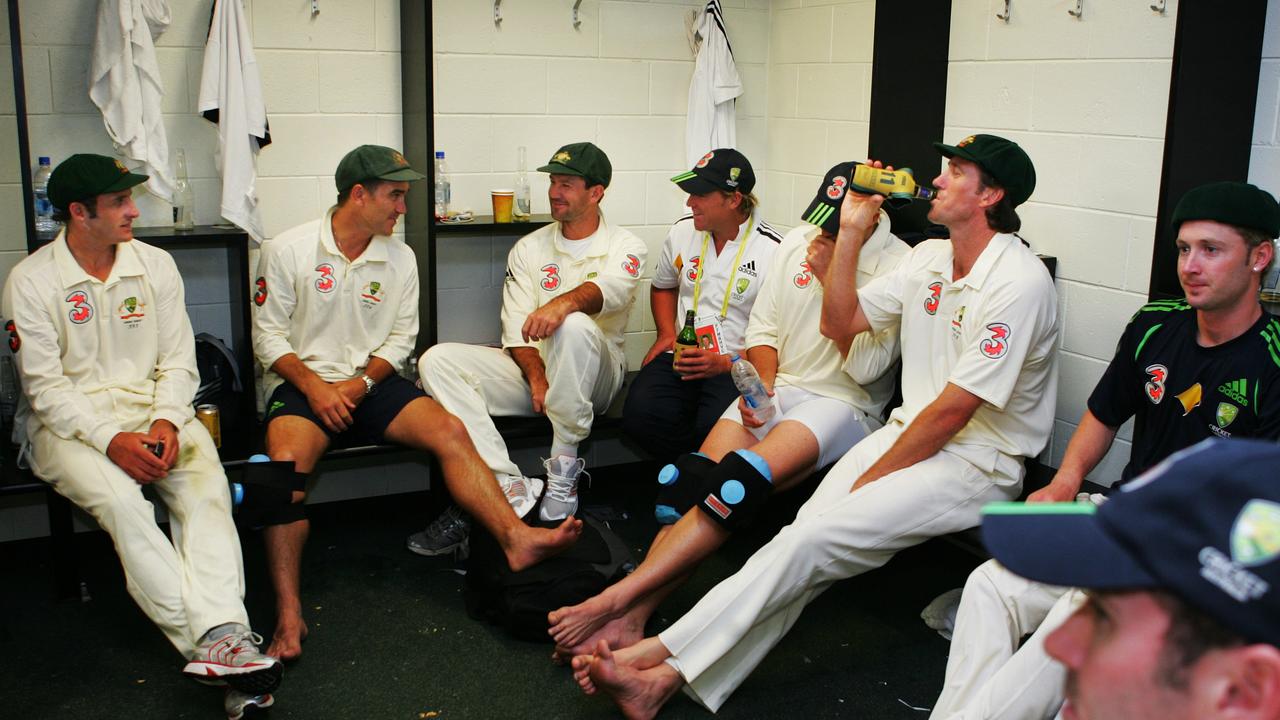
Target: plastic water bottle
442	187
184	200
46	226
524	201
748	382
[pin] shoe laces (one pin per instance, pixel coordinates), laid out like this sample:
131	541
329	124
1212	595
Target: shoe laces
515	487
562	488
451	525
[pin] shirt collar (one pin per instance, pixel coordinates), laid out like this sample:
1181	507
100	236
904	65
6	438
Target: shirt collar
941	264
375	252
127	263
870	254
599	239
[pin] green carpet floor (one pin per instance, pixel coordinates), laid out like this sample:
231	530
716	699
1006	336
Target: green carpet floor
390	638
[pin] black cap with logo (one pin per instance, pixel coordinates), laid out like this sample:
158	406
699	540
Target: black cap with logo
723	169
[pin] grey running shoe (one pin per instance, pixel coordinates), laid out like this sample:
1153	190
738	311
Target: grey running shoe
243	705
446	534
521	492
561	499
230	653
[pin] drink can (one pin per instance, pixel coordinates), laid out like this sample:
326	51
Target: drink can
208	416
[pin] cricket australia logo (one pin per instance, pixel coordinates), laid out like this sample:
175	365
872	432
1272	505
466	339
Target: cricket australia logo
370	293
1156	377
1255	536
741	287
326	282
81	310
552	279
935	297
1226	414
131	311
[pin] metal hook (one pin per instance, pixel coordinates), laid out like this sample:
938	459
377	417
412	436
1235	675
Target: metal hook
1005	16
315	8
1079	11
1159	6
576	21
497	13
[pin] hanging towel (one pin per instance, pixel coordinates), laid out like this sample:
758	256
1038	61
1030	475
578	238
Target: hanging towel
715	84
231	96
124	82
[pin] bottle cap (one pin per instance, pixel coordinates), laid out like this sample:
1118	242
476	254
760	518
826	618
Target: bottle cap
439	154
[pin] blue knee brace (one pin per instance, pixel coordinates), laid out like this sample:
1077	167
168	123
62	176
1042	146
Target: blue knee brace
264	494
679	485
735	490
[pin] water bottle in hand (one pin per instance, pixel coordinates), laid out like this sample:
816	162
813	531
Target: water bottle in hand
752	388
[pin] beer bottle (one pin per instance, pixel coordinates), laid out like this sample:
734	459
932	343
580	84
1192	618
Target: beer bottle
688	337
895	184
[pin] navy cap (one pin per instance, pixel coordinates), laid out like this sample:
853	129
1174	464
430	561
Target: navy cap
722	169
1204	525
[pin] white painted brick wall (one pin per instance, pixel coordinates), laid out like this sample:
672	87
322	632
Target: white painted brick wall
1088	100
1264	160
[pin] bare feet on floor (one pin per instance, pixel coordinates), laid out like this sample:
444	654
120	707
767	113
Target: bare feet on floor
638	693
286	644
528	545
645	654
620	632
573	625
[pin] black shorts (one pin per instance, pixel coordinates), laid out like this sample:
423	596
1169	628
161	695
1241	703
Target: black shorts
370	418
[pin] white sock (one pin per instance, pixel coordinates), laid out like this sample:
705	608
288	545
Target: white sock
568	451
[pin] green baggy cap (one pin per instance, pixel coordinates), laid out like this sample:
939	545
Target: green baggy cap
1233	203
85	175
373	162
582	159
1003	160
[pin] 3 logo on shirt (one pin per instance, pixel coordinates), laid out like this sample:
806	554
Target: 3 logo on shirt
631	265
804	277
694	262
997	345
552	280
260	294
935	296
1156	377
15	342
81	310
326	282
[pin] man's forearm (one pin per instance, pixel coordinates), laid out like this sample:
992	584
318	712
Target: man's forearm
586	298
1089	444
765	360
378	369
295	372
531	365
927	434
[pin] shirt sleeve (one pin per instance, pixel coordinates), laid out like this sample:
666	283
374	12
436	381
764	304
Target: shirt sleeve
881	298
1269	410
66	411
1115	398
1012	321
519	297
404	333
274	301
762	323
872	354
666	275
176	374
620	277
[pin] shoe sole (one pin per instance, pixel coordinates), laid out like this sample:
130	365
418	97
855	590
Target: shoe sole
431	552
251	680
254	709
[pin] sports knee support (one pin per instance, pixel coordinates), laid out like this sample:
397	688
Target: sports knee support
735	490
678	486
265	494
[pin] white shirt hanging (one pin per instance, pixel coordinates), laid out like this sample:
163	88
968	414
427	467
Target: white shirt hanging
715	84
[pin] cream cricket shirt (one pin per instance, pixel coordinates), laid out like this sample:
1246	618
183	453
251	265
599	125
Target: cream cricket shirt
82	343
540	268
721	275
332	312
992	333
787	314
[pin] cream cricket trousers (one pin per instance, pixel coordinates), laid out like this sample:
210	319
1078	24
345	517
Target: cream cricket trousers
836	534
988	675
190	584
477	383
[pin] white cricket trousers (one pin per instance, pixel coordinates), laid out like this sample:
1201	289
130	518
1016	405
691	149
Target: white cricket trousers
988	675
836	534
477	383
190	584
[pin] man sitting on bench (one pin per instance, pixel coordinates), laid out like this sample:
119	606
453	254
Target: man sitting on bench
336	315
827	397
1186	370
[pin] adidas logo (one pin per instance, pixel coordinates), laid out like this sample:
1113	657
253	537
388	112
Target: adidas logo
1237	390
748	268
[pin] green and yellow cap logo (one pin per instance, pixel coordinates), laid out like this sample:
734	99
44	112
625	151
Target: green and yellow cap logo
1255	536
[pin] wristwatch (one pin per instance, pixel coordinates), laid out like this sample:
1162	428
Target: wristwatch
369	385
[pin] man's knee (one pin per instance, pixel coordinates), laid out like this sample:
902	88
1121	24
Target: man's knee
271	493
679	485
435	361
737	489
576	323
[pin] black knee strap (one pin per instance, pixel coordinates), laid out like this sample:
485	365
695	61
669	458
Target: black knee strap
679	485
266	494
735	490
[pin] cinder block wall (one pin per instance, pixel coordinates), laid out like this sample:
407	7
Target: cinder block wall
819	97
1264	161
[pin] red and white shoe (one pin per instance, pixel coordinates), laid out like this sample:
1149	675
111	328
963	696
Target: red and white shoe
229	653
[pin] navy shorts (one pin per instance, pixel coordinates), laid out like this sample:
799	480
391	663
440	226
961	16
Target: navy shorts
370	418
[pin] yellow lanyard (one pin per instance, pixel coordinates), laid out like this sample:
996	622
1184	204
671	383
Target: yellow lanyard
702	268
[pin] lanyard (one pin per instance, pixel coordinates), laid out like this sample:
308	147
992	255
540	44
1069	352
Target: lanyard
702	268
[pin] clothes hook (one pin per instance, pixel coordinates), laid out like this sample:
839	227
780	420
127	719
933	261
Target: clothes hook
1079	11
576	21
1005	16
315	8
1159	6
497	13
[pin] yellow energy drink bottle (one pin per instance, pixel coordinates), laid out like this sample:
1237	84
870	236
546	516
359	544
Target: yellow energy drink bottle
895	184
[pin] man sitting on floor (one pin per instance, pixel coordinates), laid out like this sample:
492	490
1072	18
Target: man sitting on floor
827	397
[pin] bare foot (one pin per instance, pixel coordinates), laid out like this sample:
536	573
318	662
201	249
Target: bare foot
573	625
286	644
581	665
528	546
639	694
620	632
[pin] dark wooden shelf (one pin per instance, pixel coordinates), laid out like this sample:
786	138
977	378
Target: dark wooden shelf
485	224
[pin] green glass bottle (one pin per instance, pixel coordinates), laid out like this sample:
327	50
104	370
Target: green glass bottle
688	337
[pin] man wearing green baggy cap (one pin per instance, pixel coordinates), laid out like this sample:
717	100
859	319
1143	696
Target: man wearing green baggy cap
568	289
335	318
99	329
1186	370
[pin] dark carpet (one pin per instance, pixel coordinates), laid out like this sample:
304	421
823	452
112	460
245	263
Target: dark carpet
390	637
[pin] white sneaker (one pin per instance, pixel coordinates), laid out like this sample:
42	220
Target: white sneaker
239	705
561	499
521	492
941	613
231	656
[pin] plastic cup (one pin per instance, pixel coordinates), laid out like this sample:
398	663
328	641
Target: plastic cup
502	201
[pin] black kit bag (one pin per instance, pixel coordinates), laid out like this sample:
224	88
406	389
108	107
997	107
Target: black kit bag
219	377
519	601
